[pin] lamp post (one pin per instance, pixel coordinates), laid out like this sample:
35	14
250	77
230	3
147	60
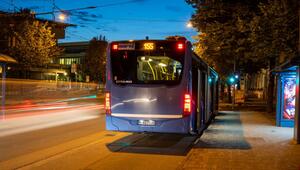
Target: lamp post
232	83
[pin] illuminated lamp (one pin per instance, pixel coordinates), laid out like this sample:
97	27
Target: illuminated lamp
180	46
115	46
187	105
231	80
107	103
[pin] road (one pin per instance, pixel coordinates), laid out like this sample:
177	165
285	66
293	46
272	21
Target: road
72	135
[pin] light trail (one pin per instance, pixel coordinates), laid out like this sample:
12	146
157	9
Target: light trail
32	121
17	113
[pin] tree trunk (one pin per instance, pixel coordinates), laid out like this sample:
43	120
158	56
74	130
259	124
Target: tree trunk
22	73
229	93
270	94
222	91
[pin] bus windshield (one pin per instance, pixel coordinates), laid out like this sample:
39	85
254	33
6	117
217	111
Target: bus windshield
147	67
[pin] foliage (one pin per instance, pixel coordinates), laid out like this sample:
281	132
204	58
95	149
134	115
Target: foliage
95	60
247	32
223	35
274	31
35	45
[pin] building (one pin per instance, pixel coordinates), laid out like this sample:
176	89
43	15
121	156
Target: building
255	85
74	57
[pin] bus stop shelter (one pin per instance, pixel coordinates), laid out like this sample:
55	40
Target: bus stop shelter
4	60
288	96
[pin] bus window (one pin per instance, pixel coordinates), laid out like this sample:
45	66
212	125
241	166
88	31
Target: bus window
158	68
140	67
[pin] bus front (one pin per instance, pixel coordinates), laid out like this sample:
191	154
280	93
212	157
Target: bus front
147	86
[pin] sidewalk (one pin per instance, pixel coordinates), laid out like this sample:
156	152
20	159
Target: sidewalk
244	140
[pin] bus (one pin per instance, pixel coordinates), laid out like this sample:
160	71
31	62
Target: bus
158	86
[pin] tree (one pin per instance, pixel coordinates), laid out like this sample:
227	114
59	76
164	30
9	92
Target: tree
95	60
223	35
35	45
250	33
273	34
274	31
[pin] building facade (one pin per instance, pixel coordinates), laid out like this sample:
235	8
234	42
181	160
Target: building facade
74	59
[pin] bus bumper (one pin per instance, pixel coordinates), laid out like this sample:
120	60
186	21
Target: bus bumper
180	125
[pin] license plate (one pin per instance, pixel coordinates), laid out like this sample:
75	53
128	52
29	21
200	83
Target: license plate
146	122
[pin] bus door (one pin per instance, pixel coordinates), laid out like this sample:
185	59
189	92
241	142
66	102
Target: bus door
196	98
202	94
199	103
214	95
207	97
210	98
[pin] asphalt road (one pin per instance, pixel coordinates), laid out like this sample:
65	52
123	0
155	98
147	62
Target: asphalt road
72	135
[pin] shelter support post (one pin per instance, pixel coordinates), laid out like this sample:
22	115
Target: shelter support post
3	65
297	110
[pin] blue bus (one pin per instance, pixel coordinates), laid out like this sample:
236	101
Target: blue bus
158	86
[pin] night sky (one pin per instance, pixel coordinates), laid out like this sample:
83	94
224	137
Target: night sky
115	19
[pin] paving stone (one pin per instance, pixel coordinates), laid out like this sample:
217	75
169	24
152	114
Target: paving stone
241	140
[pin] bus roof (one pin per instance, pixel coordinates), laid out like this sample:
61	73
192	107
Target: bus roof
169	38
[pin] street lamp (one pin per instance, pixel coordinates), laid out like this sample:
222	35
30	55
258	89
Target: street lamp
231	80
189	24
62	17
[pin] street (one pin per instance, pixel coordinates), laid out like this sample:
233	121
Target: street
73	136
140	84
